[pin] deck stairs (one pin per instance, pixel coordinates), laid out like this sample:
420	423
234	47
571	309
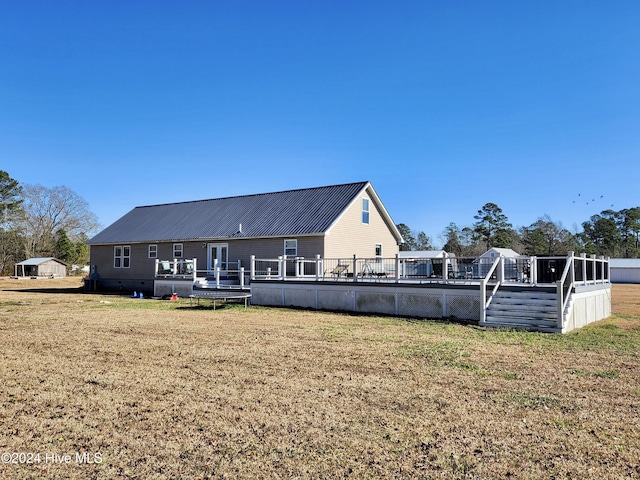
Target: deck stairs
530	309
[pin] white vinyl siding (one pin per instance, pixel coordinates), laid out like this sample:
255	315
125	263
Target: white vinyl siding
365	211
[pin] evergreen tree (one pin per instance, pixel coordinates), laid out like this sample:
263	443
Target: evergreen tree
492	227
10	212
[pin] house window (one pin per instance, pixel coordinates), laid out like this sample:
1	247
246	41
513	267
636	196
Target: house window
365	211
378	249
121	256
153	251
177	250
291	248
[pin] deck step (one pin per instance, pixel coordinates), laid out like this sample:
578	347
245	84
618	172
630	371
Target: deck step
502	312
519	309
533	326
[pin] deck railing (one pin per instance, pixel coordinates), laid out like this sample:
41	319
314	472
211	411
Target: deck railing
446	268
496	269
186	270
176	268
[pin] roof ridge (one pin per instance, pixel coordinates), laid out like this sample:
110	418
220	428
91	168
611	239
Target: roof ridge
254	194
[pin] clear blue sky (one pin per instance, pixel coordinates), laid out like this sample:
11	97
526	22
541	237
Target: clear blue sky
443	105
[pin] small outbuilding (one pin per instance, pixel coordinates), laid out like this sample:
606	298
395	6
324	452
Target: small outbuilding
422	262
624	270
41	267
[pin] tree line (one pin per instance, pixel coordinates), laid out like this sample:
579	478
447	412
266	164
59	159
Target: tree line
609	233
37	221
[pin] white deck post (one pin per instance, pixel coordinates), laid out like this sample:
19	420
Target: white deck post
573	267
252	267
355	266
217	277
318	266
445	267
397	270
241	277
534	270
483	299
282	270
560	296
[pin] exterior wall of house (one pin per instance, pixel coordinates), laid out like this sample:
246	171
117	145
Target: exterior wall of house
308	247
105	276
349	236
140	273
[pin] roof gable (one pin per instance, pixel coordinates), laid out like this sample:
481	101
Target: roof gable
39	260
310	211
496	251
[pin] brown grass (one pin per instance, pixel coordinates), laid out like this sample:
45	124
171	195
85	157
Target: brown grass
161	390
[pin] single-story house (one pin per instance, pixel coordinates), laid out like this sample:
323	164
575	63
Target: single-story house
624	270
337	221
41	267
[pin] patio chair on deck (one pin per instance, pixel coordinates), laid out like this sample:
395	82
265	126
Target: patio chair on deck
468	273
373	270
164	268
339	269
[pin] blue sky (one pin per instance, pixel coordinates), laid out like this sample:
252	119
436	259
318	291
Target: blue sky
443	105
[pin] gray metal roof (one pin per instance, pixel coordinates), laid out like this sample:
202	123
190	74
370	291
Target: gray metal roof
422	254
294	212
624	262
39	260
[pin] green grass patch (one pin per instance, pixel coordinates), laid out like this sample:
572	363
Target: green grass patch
595	374
535	401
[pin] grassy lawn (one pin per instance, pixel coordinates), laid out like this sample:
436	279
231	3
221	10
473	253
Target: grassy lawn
156	389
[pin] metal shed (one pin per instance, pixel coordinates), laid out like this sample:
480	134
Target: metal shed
422	262
624	270
41	267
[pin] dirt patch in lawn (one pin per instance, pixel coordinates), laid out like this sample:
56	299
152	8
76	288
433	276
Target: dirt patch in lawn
131	388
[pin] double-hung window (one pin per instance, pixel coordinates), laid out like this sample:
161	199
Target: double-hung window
121	256
291	248
153	251
177	250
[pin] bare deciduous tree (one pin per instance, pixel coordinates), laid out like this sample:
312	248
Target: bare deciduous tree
47	210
